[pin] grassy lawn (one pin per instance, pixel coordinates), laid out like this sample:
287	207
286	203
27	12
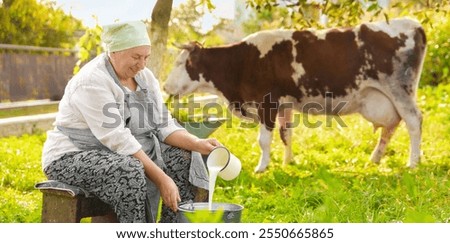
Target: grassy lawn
329	180
25	111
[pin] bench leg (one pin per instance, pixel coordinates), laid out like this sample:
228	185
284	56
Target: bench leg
60	209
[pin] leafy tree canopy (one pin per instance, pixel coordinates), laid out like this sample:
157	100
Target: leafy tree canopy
37	23
185	24
331	13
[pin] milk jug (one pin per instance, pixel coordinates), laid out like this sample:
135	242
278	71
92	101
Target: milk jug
227	164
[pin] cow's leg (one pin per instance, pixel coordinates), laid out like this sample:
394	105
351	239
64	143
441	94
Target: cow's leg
413	120
404	102
284	118
265	140
385	137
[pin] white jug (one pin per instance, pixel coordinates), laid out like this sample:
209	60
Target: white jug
230	164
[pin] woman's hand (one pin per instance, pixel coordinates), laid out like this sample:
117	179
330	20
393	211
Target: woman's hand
169	193
168	188
205	146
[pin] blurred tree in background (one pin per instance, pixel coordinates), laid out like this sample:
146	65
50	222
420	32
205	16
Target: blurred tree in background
186	26
37	23
159	31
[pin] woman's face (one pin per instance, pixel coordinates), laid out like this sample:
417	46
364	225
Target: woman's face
129	62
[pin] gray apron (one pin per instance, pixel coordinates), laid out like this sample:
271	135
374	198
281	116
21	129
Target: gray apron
143	118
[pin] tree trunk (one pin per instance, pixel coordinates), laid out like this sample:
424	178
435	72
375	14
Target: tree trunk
158	34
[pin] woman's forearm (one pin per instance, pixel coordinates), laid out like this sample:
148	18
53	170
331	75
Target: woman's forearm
152	171
187	141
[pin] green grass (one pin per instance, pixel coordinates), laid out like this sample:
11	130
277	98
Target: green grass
20	169
329	180
26	111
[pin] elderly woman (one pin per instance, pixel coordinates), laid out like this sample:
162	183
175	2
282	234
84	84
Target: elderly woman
114	137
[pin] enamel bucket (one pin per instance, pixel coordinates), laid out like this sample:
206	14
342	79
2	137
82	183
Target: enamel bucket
199	212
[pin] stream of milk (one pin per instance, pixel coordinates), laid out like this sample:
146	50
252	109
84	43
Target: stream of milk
213	172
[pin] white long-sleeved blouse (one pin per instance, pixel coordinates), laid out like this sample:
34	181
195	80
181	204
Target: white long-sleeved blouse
91	100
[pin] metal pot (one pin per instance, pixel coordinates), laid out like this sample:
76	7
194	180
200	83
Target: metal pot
199	212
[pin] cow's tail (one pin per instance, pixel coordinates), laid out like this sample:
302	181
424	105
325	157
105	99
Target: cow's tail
421	47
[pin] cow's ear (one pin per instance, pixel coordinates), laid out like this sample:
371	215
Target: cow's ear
189	47
200	45
182	46
177	45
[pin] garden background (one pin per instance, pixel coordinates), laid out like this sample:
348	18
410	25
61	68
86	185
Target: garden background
330	178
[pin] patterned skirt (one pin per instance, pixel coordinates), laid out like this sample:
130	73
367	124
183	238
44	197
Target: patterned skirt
120	181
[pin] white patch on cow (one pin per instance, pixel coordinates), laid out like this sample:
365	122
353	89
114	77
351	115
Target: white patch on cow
265	40
299	71
320	34
409	43
205	86
202	79
356	31
395	26
178	81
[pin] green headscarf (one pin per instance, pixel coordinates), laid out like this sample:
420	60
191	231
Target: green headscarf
126	35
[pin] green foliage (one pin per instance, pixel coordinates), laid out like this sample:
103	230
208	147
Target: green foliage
20	169
185	24
89	46
437	62
37	23
307	14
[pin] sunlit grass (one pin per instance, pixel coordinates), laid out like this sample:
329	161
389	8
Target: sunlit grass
332	180
329	180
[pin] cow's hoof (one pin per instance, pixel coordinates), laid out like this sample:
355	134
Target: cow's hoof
288	159
414	162
260	169
375	158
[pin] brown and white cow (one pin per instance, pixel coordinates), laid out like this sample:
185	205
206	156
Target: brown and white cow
373	68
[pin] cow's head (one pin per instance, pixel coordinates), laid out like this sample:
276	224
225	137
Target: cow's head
186	76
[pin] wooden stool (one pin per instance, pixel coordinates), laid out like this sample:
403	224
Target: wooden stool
63	203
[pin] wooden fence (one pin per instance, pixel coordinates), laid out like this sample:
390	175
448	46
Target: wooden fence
30	73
